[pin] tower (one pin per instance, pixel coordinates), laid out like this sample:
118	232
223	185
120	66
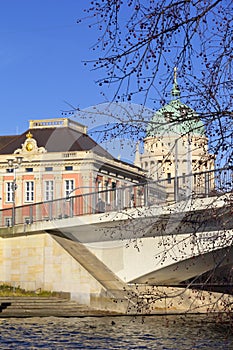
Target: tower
175	145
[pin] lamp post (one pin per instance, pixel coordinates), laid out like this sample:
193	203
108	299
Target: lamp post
14	164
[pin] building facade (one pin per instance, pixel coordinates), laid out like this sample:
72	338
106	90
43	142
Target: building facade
55	158
175	146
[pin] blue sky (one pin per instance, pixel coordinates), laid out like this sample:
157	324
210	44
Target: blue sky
42	50
42	54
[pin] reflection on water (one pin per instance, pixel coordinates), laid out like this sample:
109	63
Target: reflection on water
151	332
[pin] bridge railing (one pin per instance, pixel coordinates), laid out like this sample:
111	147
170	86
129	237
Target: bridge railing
202	184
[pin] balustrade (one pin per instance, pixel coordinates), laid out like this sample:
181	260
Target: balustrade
203	184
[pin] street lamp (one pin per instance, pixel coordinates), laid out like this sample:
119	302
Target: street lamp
15	164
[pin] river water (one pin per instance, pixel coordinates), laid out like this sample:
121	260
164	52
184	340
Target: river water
151	332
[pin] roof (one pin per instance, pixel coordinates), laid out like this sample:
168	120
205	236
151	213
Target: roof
54	140
175	118
5	140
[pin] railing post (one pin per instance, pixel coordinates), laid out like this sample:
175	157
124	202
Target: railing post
13	216
120	198
207	184
145	194
94	202
71	207
31	214
176	189
50	210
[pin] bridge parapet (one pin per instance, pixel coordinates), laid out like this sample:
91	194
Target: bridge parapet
160	192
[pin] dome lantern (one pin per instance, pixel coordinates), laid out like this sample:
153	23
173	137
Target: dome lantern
175	89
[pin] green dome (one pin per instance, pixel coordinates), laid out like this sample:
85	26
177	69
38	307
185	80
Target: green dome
175	118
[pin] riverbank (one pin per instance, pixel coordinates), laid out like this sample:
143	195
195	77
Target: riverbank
62	306
140	300
29	306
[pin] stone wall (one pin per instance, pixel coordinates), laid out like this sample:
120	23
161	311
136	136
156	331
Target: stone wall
39	262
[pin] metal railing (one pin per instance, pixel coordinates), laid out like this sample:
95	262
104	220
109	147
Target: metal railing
202	184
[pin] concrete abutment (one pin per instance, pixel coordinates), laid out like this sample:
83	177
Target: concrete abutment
51	263
54	263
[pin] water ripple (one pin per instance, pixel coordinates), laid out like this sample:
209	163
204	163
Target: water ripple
160	333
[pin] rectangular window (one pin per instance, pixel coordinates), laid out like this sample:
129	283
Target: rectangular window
9	192
29	170
48	190
69	187
48	168
100	187
29	191
68	168
114	193
107	194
